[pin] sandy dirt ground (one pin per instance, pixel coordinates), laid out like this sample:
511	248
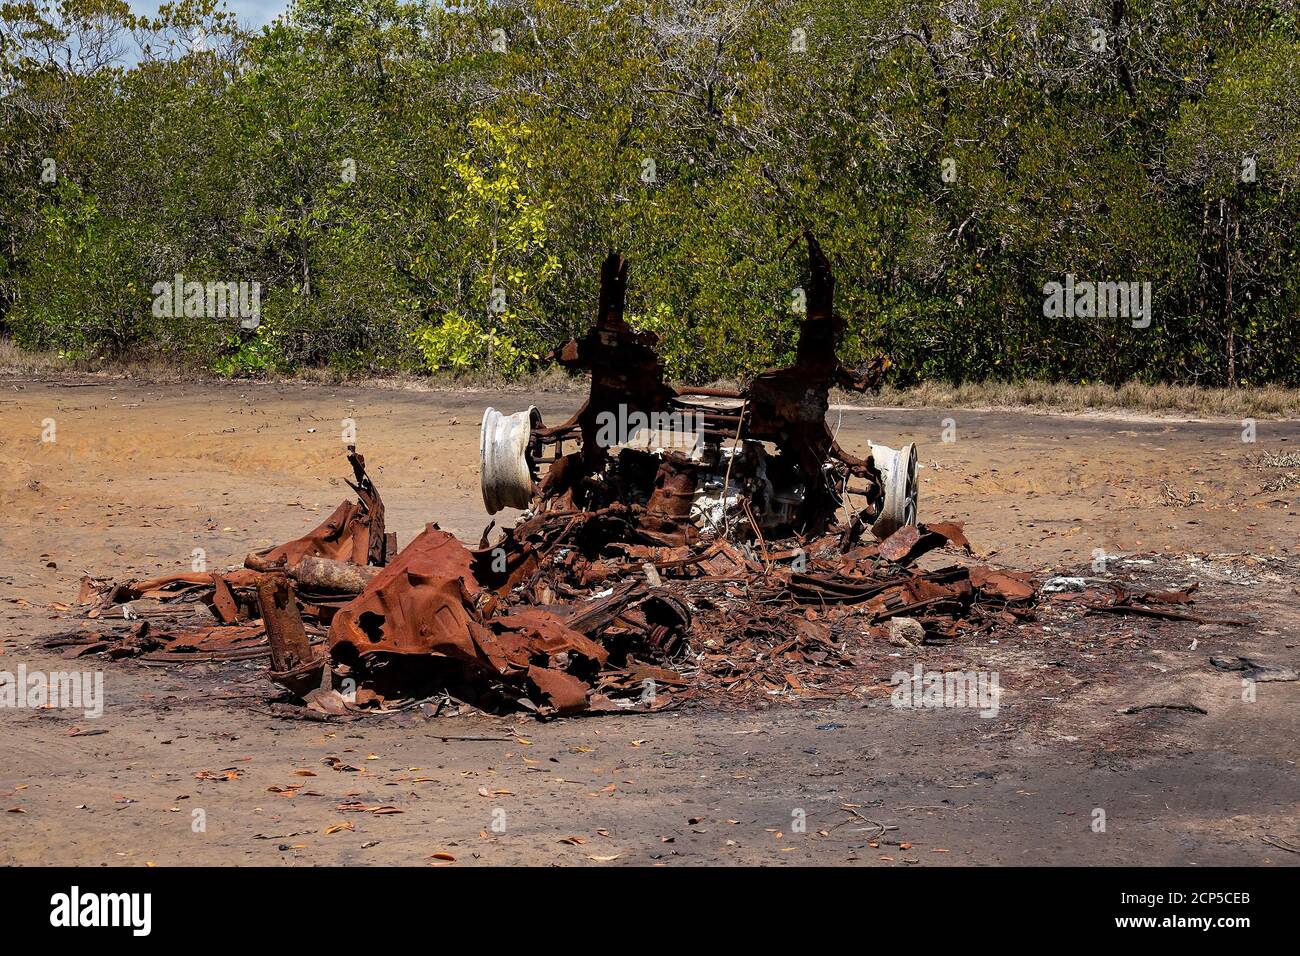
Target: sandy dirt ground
139	475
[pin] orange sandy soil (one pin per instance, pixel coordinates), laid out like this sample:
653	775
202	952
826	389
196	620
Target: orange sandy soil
141	474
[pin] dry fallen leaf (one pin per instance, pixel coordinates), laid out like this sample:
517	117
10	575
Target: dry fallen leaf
339	826
604	859
230	773
354	807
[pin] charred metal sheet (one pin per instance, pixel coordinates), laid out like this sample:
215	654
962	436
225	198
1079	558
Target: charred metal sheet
911	541
224	606
420	604
354	532
428	603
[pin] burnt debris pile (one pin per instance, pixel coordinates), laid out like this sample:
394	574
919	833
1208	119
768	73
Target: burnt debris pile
672	544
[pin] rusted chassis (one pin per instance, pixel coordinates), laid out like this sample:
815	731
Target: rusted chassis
783	408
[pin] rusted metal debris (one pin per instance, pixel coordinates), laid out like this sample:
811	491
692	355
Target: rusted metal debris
324	564
721	548
293	661
1154	604
354	532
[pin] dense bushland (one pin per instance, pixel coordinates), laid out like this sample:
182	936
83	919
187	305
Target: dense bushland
422	185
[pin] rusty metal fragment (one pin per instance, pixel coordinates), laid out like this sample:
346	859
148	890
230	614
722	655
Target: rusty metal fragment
419	604
353	532
286	634
428	603
1154	604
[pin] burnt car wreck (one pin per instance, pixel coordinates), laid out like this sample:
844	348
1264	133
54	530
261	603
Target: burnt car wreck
744	465
673	544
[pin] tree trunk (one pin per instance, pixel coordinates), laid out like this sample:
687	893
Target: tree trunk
1229	220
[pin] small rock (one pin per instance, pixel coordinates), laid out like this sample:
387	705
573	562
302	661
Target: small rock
904	632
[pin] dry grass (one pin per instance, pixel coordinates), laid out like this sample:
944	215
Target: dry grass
16	362
1286	459
552	379
1267	402
1270	461
1283	482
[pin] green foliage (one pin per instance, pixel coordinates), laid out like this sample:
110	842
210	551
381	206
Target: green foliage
249	355
79	297
421	186
502	261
